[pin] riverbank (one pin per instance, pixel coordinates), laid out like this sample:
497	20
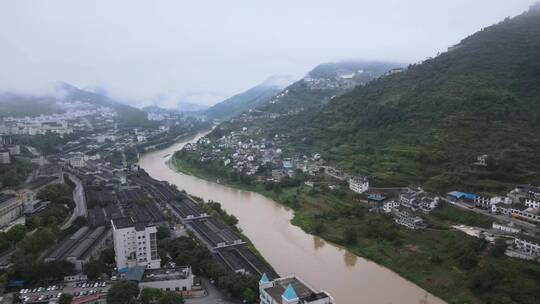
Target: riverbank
447	263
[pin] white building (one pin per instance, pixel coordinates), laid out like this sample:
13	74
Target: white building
5	157
168	279
135	244
509	228
290	290
531	203
359	184
11	208
389	205
77	161
528	245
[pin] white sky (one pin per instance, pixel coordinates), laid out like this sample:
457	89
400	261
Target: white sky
203	51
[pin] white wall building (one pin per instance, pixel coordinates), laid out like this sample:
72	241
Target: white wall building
135	244
290	290
509	228
531	203
168	279
77	161
5	157
359	184
528	244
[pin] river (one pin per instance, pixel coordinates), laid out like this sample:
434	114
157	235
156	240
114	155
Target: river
349	278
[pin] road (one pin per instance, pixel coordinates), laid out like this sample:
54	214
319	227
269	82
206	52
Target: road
214	295
80	201
499	217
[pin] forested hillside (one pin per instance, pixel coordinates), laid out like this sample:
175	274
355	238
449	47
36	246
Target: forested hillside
429	123
325	82
242	102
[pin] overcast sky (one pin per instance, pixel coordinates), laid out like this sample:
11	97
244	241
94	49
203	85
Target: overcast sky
203	51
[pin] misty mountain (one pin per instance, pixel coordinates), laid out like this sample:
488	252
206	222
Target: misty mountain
188	107
10	104
428	123
325	82
247	100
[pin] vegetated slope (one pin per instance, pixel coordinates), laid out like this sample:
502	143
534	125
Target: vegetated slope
127	115
20	105
10	105
429	123
243	102
324	82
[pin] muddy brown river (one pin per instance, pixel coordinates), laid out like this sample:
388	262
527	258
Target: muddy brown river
349	278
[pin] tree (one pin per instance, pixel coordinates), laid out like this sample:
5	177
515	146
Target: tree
169	297
65	299
350	236
4	242
499	248
94	269
124	292
107	256
149	295
162	233
249	295
16	233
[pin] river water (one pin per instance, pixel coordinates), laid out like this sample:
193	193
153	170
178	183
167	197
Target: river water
349	278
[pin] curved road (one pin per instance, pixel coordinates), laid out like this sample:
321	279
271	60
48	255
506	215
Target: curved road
79	199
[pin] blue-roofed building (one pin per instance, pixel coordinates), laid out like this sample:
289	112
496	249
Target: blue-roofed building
290	294
291	290
457	196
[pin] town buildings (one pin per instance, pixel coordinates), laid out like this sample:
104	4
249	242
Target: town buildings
135	244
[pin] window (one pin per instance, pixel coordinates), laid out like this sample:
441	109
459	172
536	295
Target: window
177	289
167	289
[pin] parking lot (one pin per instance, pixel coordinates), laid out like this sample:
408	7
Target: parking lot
77	289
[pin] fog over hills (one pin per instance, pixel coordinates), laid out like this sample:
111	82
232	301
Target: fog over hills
180	52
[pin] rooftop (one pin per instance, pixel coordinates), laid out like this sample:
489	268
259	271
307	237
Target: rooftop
166	274
4	197
292	286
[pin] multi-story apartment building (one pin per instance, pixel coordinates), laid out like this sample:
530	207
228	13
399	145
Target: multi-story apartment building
135	244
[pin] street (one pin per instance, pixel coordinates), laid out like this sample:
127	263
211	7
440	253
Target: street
79	199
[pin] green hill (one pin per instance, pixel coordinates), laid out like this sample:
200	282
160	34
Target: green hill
242	102
128	116
325	82
429	123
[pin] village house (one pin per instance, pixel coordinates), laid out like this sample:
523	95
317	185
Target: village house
359	184
408	220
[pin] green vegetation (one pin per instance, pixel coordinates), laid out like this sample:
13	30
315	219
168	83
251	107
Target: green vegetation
47	144
123	292
186	251
14	174
242	102
154	295
428	124
456	215
445	262
65	299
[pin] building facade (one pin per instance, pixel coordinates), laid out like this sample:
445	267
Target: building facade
11	208
359	184
135	244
